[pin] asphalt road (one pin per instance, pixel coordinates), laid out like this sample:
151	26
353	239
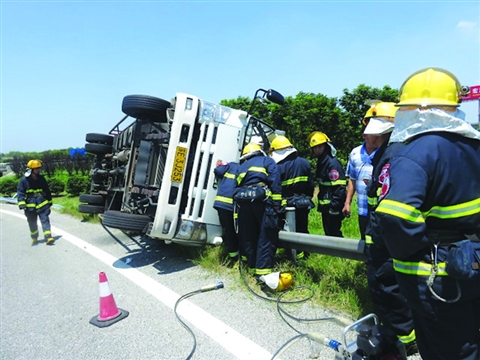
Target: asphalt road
49	294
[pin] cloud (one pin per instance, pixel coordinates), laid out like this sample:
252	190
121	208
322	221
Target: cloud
467	25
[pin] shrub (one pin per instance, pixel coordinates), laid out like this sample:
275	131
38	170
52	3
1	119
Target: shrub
8	186
77	185
56	186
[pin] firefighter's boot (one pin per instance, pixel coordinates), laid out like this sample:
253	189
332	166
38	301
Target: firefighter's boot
50	240
34	241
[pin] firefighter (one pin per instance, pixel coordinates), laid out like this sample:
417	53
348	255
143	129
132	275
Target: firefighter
297	184
35	198
258	197
428	207
389	304
332	183
226	174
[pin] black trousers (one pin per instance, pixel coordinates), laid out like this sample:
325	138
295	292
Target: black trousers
230	239
389	303
332	224
258	234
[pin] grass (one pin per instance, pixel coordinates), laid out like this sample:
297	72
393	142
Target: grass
69	205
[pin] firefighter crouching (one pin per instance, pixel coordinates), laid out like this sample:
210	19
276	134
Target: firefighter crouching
35	198
258	198
429	215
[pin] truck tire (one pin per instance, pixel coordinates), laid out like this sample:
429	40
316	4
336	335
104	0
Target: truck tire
92	199
145	107
99	139
90	209
98	148
125	221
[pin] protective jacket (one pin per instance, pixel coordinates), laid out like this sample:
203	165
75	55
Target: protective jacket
418	202
34	193
296	175
332	181
261	169
430	198
227	175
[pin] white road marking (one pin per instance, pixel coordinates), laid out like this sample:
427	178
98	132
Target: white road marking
234	342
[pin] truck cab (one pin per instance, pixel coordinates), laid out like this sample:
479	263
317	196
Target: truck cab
154	175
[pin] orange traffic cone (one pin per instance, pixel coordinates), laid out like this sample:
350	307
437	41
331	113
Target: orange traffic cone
109	313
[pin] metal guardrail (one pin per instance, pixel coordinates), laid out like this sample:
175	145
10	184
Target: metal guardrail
320	244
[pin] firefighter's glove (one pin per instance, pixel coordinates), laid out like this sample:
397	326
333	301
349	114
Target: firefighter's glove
22	207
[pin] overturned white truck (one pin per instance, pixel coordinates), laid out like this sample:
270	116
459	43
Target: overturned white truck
155	175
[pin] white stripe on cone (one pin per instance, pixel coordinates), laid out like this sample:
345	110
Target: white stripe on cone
108	308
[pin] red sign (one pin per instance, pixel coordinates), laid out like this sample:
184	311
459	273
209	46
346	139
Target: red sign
474	94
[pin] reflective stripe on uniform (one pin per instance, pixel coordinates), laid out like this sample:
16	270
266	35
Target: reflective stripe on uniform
296	180
401	210
405	339
333	183
455	211
224	199
252	169
418	268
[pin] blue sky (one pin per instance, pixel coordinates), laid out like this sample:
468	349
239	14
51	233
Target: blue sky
66	65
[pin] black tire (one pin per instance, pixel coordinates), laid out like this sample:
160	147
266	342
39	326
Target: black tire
125	221
91	209
99	139
98	148
92	199
145	107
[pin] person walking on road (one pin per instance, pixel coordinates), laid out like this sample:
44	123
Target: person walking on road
332	183
429	215
35	198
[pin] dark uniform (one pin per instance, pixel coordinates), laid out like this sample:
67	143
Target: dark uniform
257	218
389	304
35	198
332	193
227	175
297	190
429	199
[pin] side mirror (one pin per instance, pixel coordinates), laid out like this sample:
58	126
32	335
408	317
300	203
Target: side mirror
275	97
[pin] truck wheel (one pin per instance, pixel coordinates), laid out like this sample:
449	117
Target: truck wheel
125	221
90	209
98	148
92	199
99	139
145	107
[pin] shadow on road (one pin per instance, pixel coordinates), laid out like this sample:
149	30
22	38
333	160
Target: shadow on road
165	258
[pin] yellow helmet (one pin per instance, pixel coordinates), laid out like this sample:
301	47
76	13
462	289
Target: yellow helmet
250	147
380	109
317	138
34	164
279	143
430	87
